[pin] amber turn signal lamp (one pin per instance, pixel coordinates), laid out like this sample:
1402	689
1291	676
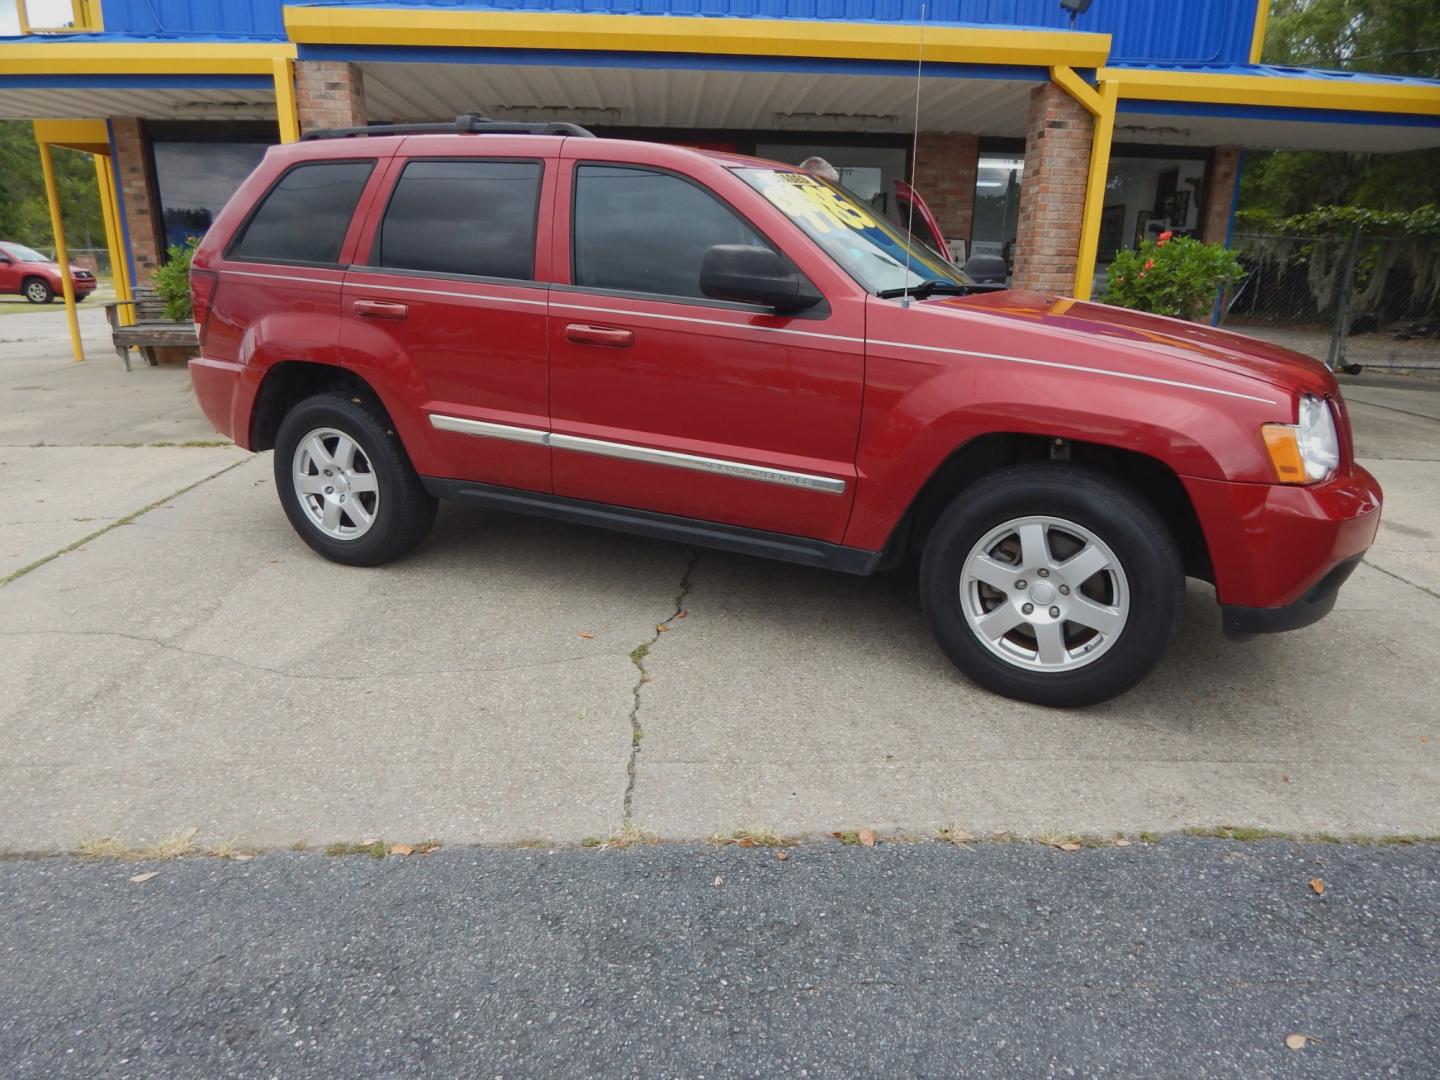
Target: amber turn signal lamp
1283	443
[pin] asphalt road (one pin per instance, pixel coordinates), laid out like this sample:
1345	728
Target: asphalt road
1185	958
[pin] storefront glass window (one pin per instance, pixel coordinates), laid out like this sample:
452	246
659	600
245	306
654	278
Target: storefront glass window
997	206
1148	196
195	180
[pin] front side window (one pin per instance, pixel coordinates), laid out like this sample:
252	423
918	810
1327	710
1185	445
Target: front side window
868	247
474	218
21	253
305	216
642	231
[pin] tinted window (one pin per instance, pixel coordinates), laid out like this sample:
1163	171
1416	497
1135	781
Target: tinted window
305	216
644	231
462	217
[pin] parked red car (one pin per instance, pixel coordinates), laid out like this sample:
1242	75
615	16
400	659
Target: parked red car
26	272
726	352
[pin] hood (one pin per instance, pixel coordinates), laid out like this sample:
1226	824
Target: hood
1166	340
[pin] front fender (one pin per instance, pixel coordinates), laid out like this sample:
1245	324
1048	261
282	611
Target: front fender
918	412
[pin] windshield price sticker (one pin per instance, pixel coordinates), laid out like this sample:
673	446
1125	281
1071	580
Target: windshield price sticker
803	197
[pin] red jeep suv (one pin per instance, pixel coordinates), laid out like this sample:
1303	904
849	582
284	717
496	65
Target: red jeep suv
728	352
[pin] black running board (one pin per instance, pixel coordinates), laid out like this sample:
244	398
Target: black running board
682	530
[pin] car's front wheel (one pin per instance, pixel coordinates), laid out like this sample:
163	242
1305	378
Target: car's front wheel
38	291
347	484
1052	583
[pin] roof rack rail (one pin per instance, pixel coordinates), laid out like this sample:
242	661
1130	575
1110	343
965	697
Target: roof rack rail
464	124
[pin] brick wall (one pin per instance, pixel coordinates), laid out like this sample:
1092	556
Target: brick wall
1224	173
329	94
137	188
1052	192
945	167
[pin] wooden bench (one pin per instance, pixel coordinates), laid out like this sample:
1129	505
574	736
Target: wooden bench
151	329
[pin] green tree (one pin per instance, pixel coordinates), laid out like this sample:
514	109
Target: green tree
24	216
1394	37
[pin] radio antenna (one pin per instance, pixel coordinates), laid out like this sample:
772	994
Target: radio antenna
914	157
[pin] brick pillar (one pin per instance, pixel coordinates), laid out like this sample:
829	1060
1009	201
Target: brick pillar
945	168
1052	192
137	188
1224	175
329	94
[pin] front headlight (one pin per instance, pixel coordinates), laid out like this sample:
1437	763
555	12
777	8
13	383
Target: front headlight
1308	451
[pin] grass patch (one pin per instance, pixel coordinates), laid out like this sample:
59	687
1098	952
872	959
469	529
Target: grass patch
639	652
376	849
105	847
627	836
756	837
188	444
172	847
848	837
953	834
1243	833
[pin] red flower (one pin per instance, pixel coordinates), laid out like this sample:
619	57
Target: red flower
1164	236
1149	264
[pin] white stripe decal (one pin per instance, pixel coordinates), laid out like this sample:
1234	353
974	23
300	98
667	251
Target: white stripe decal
629	452
705	322
281	277
1075	367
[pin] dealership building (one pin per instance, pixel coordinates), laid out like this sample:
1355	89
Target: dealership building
1046	136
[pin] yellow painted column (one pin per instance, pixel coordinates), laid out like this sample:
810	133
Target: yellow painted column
1100	143
114	236
52	197
285	110
22	16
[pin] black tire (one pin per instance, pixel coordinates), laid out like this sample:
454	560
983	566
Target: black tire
1115	514
404	509
37	290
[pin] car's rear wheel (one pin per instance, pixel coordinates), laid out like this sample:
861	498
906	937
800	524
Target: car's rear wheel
38	291
1052	583
347	484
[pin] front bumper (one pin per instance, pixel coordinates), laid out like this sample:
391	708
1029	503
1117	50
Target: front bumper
1280	553
83	286
1240	623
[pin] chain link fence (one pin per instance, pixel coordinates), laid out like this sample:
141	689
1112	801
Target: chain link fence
1354	299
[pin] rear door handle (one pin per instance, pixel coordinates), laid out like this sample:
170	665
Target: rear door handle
381	309
599	335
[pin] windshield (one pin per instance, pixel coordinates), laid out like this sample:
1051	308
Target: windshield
867	246
23	254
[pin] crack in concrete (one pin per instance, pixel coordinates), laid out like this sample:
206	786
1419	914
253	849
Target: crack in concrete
119	522
1403	580
637	657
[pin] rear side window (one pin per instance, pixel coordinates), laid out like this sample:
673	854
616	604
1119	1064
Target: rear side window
643	231
303	218
475	218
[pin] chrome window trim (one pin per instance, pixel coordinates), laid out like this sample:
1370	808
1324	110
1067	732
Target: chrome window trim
648	455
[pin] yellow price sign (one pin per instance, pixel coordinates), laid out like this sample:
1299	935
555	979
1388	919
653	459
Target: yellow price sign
803	197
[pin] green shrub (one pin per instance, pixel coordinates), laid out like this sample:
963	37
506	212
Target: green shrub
1174	275
172	280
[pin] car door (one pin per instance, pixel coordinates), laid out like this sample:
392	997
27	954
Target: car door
446	303
9	273
664	400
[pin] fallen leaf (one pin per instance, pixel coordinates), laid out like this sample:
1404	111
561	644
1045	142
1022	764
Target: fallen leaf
1318	886
681	614
586	634
746	841
138	878
402	849
1122	843
661	628
242	858
1424	738
782	855
1285	778
1068	846
1297	1041
867	837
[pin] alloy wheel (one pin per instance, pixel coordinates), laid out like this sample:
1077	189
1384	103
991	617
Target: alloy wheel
1044	594
336	484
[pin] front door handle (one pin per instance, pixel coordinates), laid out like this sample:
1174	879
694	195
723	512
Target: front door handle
381	309
599	335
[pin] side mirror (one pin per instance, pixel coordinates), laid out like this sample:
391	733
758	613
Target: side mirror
754	275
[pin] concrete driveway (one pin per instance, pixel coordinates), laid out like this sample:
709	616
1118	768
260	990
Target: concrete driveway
195	666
